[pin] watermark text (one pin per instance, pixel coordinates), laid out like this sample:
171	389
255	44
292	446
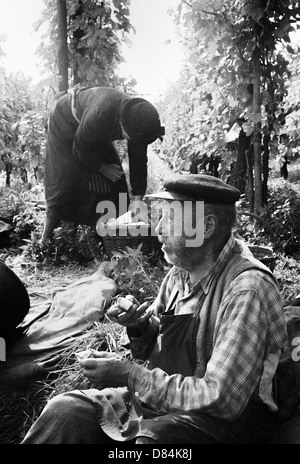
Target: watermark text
174	218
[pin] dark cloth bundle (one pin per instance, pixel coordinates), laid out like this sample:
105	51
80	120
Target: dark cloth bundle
14	303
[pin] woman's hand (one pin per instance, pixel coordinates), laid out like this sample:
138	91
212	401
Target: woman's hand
106	369
112	172
139	209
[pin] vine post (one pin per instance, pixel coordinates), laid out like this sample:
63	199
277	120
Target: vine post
257	131
63	54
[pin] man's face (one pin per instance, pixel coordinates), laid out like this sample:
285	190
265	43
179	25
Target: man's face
181	244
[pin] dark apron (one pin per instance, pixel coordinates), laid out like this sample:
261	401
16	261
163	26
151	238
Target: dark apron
175	349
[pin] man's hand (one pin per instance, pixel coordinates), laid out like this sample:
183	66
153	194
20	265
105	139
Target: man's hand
112	172
106	369
135	316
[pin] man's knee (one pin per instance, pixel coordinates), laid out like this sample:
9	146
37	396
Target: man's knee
67	418
68	407
63	405
145	441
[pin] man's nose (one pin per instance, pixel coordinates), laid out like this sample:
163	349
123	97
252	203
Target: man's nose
163	227
158	228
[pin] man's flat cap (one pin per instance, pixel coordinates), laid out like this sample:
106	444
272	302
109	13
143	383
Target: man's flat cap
197	187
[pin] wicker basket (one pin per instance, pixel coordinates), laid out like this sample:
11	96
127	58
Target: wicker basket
150	243
265	255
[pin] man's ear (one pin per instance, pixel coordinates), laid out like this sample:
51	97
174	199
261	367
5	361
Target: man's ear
210	225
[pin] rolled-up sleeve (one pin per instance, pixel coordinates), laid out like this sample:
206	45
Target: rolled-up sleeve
137	155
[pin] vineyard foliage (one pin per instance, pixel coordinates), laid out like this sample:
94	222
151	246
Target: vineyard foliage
214	101
206	112
95	32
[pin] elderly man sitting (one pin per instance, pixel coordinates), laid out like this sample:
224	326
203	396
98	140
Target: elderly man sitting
204	353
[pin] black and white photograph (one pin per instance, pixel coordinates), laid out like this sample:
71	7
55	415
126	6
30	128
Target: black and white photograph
149	225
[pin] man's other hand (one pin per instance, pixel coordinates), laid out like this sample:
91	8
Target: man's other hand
106	369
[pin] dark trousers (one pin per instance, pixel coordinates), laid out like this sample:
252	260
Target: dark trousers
73	418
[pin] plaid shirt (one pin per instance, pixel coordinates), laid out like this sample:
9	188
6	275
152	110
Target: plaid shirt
249	333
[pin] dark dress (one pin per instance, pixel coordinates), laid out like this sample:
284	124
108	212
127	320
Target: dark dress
82	127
